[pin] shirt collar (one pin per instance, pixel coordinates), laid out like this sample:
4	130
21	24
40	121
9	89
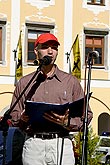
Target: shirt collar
56	73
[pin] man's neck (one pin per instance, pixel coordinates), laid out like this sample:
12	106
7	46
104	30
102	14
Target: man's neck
48	70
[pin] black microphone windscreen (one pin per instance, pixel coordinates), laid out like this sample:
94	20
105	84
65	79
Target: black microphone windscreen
46	60
94	54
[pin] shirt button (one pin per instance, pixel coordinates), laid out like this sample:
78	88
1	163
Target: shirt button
46	92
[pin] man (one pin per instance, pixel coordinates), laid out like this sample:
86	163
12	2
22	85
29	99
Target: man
48	144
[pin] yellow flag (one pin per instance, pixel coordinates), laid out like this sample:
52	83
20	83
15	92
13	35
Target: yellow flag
19	69
76	71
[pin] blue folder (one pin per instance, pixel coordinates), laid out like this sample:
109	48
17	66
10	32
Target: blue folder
36	110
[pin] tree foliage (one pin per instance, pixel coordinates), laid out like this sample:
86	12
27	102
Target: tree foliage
93	157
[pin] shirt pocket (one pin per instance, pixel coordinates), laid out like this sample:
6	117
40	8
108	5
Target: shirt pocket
65	96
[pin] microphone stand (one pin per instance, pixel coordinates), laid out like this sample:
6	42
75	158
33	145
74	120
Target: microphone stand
85	124
4	126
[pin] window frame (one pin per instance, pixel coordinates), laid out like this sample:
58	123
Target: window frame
39	28
94	2
98	32
3	42
93	47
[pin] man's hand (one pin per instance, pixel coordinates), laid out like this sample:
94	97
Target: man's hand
58	119
23	123
24	117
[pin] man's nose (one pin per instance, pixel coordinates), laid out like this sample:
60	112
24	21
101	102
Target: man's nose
49	49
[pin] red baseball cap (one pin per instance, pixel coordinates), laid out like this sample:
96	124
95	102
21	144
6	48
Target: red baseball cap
44	38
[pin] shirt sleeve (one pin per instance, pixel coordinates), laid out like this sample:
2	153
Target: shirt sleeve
76	123
17	105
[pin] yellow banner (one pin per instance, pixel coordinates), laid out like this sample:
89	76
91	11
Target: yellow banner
76	71
19	69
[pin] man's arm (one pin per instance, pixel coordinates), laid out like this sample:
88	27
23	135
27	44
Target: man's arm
76	123
18	108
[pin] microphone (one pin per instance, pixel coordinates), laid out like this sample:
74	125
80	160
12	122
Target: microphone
46	60
93	54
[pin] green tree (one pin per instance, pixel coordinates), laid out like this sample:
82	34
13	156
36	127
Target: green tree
93	157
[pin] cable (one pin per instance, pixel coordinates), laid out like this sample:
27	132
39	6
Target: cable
101	102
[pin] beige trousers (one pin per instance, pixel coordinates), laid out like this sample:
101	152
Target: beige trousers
47	152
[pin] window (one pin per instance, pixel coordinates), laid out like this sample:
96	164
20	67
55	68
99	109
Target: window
32	35
2	41
96	2
97	41
33	31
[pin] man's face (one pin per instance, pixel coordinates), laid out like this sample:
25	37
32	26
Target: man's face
49	48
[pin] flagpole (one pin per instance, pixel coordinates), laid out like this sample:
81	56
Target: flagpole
68	59
15	59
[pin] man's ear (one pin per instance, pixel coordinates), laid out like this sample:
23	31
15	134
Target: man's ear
35	51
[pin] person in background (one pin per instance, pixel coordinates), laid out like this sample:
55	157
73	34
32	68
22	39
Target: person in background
48	144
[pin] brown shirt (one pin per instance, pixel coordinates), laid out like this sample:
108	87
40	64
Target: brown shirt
60	88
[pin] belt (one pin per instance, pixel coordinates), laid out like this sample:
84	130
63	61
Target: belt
44	136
